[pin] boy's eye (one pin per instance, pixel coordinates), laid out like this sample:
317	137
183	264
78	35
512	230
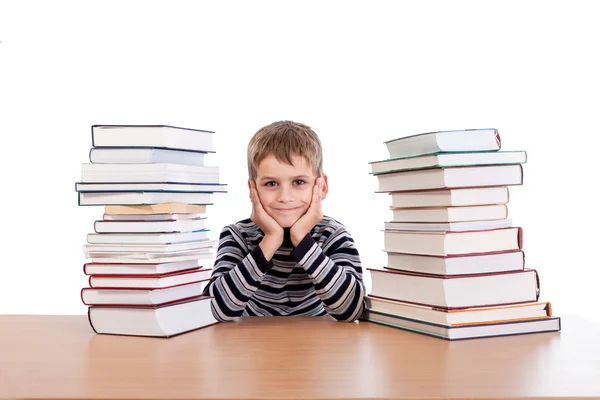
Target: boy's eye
270	184
299	182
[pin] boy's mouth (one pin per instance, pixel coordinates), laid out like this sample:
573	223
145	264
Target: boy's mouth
286	210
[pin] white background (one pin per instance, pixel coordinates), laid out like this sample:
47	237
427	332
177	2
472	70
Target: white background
359	73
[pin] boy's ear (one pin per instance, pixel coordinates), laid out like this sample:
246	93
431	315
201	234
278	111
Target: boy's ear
325	187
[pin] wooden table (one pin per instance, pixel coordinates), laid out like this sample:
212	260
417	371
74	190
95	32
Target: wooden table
313	358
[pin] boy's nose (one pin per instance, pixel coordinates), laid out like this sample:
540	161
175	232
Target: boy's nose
285	194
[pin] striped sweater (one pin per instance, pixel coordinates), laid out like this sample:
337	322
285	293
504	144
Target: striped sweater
321	276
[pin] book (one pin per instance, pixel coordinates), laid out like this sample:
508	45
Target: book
453	243
149	258
451	177
158	136
147	238
448	160
151	217
141	198
450	214
148	248
133	269
149	281
128	226
444	141
457	265
136	155
451	197
456	291
459	317
150	173
163	208
136	297
151	187
448	226
157	321
538	325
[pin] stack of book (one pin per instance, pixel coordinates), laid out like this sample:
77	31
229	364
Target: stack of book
455	262
145	275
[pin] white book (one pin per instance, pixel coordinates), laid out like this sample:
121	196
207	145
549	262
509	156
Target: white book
148	282
151	173
444	141
448	226
160	136
148	248
451	177
494	329
132	155
157	321
458	291
124	226
453	243
149	258
450	214
459	317
457	265
449	160
121	268
141	198
151	187
451	197
147	238
151	217
135	297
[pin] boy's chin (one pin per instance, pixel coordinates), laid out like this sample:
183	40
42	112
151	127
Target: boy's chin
286	222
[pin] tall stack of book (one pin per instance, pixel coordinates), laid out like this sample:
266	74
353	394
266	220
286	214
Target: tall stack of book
145	274
455	262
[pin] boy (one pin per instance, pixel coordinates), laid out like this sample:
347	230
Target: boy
287	258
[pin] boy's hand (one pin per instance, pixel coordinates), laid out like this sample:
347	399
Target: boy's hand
313	215
272	230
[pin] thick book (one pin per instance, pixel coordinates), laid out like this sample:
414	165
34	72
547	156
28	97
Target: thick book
457	265
148	248
464	140
456	291
150	258
136	155
450	178
151	217
448	226
450	214
459	317
162	208
147	238
451	197
137	226
158	136
436	243
139	269
141	198
149	281
448	160
144	297
462	332
149	173
151	187
156	321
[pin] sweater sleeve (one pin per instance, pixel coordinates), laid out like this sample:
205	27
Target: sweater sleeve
336	272
236	275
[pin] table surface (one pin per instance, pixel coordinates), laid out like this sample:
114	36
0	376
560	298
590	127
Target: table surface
292	357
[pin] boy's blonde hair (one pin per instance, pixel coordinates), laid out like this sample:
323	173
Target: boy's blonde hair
284	139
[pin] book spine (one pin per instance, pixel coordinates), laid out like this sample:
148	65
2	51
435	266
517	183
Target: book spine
90	320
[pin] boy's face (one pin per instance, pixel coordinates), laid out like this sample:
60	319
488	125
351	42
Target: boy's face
286	191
